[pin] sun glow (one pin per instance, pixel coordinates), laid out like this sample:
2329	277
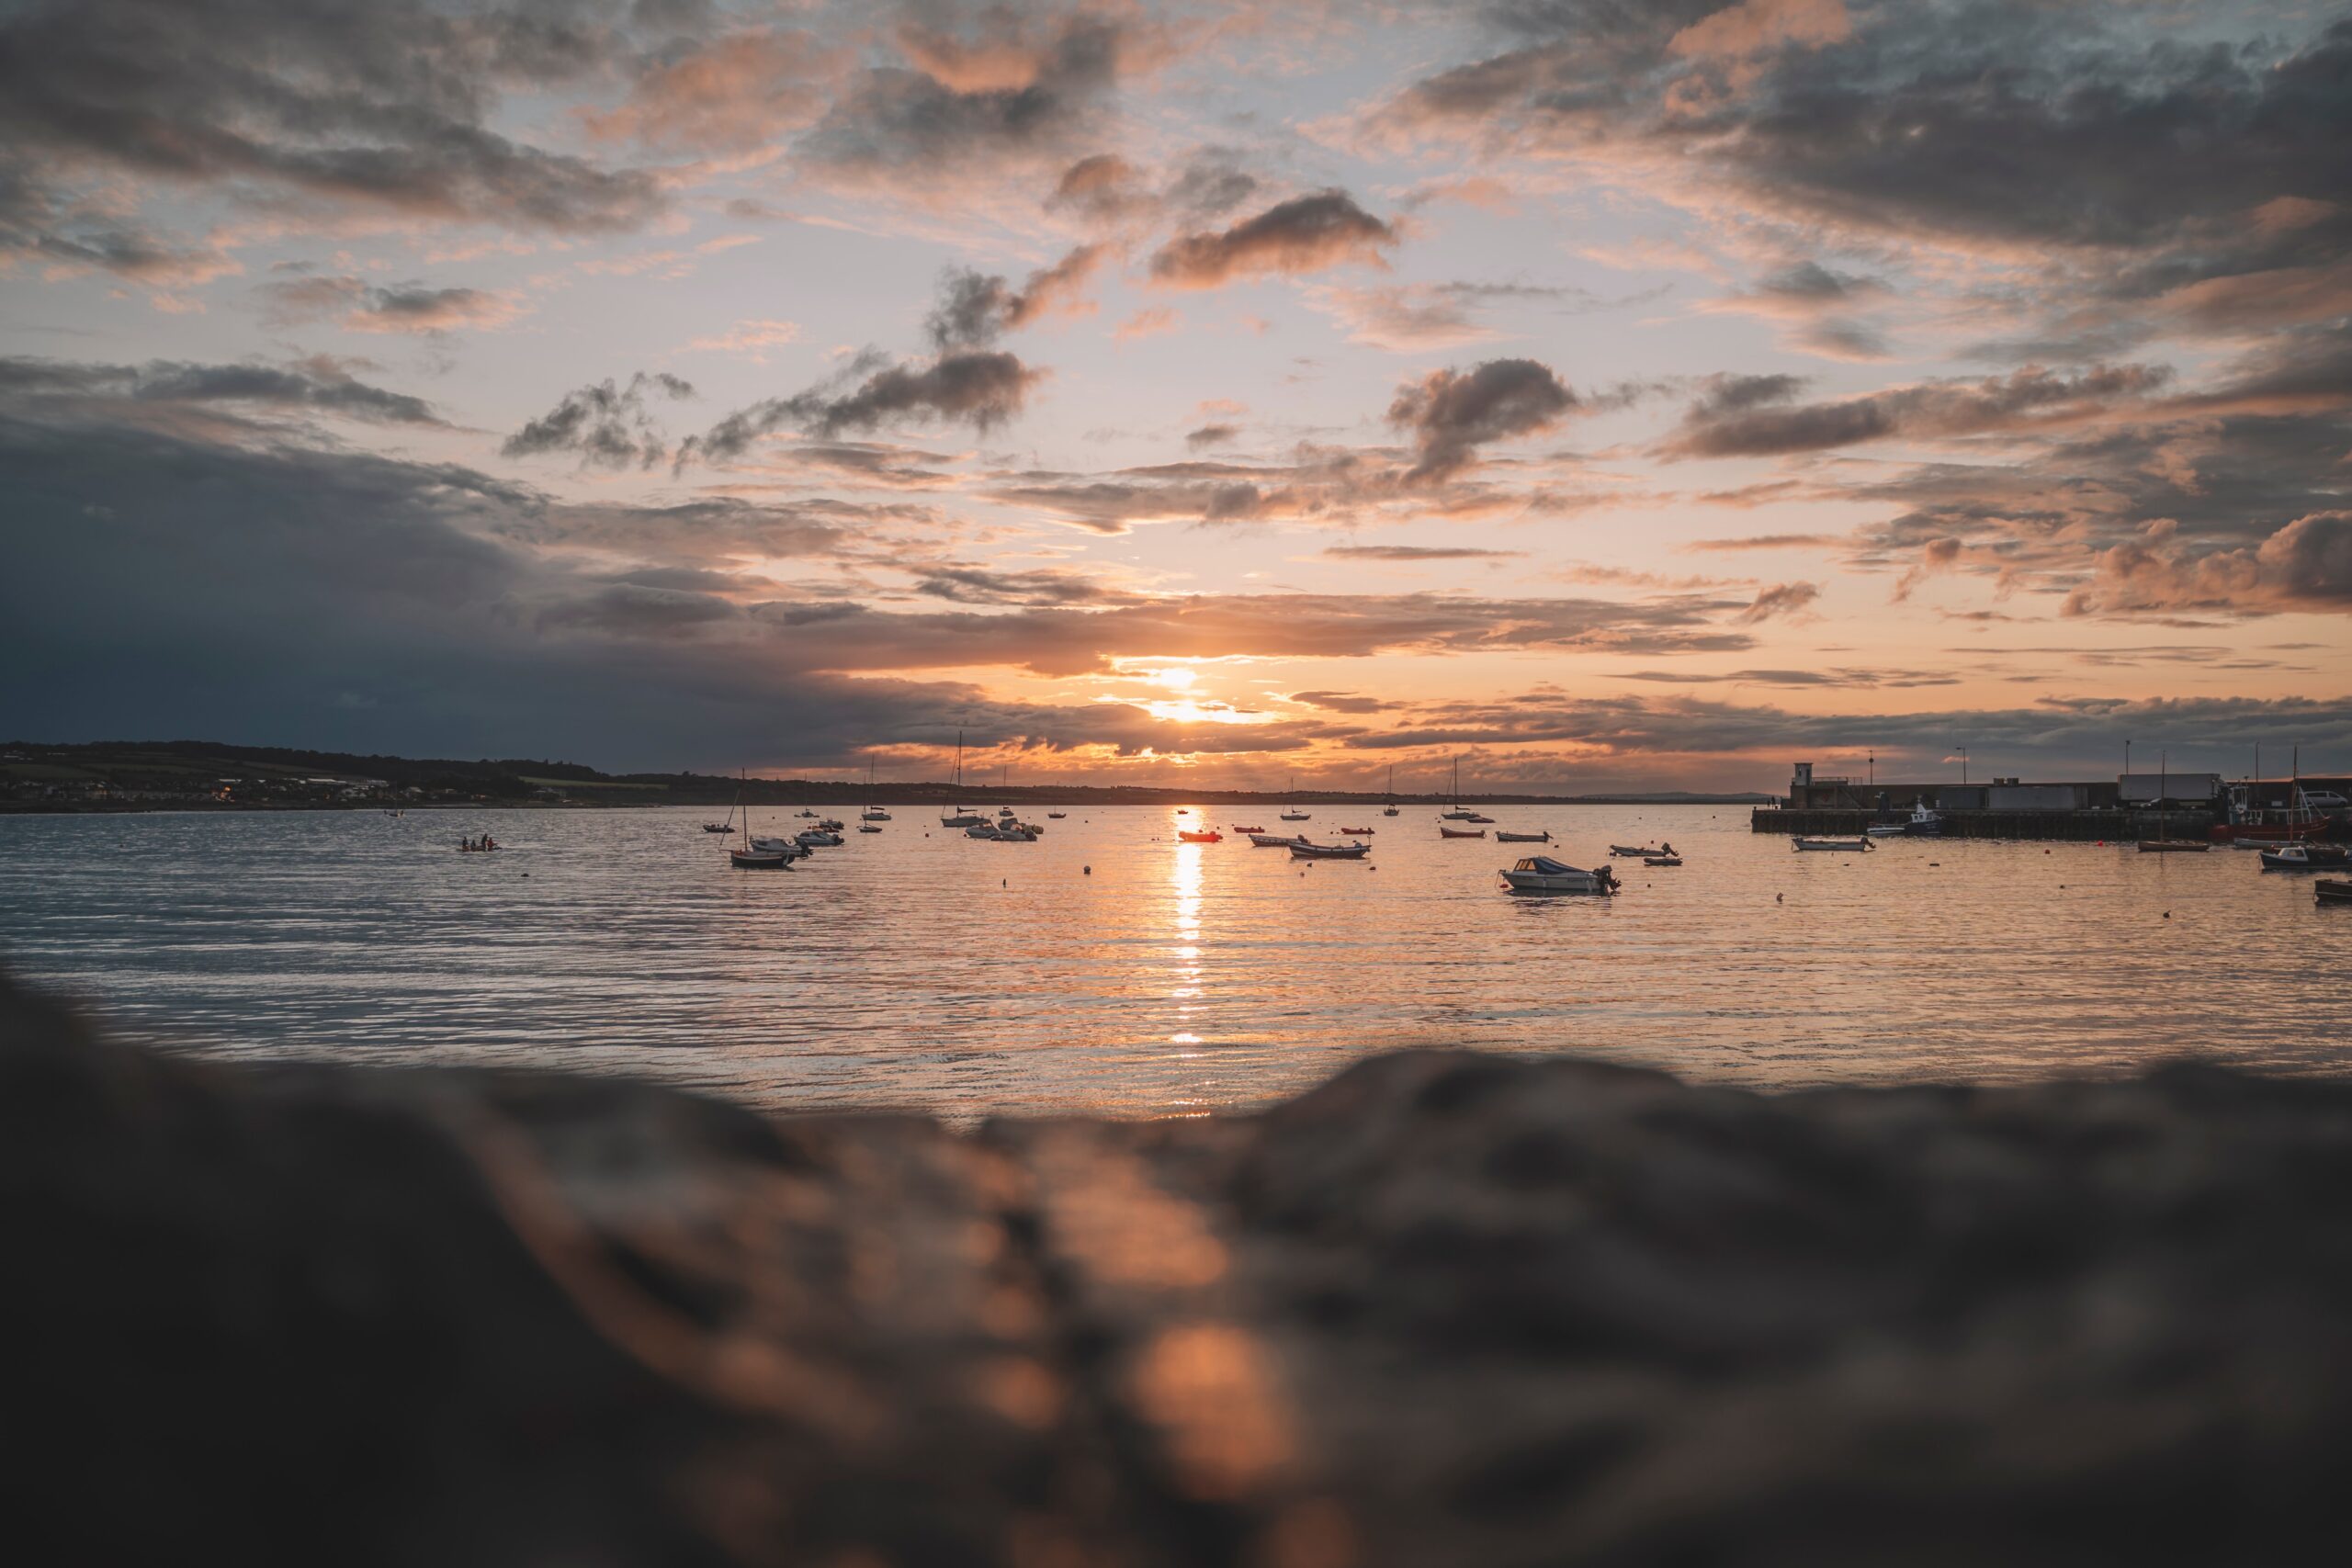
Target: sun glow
1176	677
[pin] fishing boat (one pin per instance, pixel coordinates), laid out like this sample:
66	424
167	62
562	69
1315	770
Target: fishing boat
1301	849
1358	832
1542	838
1204	836
2306	857
1390	809
962	817
1275	840
1541	873
2327	892
1824	845
1445	832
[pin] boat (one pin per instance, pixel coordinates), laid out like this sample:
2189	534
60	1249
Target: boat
1640	851
1445	832
1015	833
788	848
1390	809
1661	860
1358	832
757	854
1302	848
1241	830
805	812
1275	840
2306	857
1290	787
1205	836
1474	817
1828	845
1456	812
1542	838
717	827
1296	815
2163	843
815	838
963	817
480	846
2327	892
872	813
979	830
1056	816
1183	811
1541	873
869	827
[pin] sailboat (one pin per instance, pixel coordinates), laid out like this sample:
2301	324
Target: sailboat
1390	809
963	817
1288	785
1457	814
2163	842
754	857
872	813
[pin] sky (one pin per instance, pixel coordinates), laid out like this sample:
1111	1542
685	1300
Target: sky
1606	394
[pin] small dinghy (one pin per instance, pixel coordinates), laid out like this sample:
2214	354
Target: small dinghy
1542	838
1635	852
1445	832
1358	832
2332	892
1829	845
1275	840
1661	860
1541	873
718	828
480	846
1301	849
1239	829
1204	836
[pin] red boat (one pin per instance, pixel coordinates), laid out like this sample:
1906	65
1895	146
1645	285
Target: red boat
1205	836
1359	833
1249	830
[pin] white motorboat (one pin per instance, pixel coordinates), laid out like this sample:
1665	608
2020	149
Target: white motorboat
1016	833
979	830
1541	873
1542	838
815	838
1302	848
1829	845
788	848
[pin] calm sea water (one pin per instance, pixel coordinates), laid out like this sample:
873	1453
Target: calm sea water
919	968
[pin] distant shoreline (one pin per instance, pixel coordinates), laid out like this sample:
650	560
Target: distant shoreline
206	775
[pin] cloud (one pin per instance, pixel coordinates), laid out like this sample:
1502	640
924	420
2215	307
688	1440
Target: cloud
1450	414
736	92
2306	565
1305	234
385	106
1751	416
982	389
1340	702
1780	599
1416	553
750	338
360	307
310	386
607	424
974	311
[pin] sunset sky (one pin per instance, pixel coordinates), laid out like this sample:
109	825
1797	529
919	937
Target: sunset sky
1613	394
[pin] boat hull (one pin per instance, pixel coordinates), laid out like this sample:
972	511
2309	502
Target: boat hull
1461	832
1328	852
758	860
2332	892
1523	838
1827	846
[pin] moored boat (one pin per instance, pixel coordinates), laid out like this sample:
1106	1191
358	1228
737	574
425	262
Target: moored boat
1359	833
1661	860
2173	846
1275	840
1445	832
1204	836
1826	845
1239	829
1301	849
1541	873
1542	838
757	854
2328	892
815	838
2306	857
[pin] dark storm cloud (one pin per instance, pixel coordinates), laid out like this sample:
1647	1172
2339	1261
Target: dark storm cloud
315	386
1452	413
384	105
1305	234
608	423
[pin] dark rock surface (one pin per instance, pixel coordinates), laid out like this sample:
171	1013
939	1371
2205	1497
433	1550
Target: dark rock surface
1446	1309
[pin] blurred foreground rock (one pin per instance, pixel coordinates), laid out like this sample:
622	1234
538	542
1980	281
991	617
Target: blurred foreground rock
1444	1310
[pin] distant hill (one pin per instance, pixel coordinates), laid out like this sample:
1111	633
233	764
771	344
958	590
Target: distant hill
127	775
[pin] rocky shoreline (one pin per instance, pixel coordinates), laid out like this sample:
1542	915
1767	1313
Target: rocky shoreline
1444	1309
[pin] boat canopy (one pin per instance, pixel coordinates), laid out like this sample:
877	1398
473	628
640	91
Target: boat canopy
1547	865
